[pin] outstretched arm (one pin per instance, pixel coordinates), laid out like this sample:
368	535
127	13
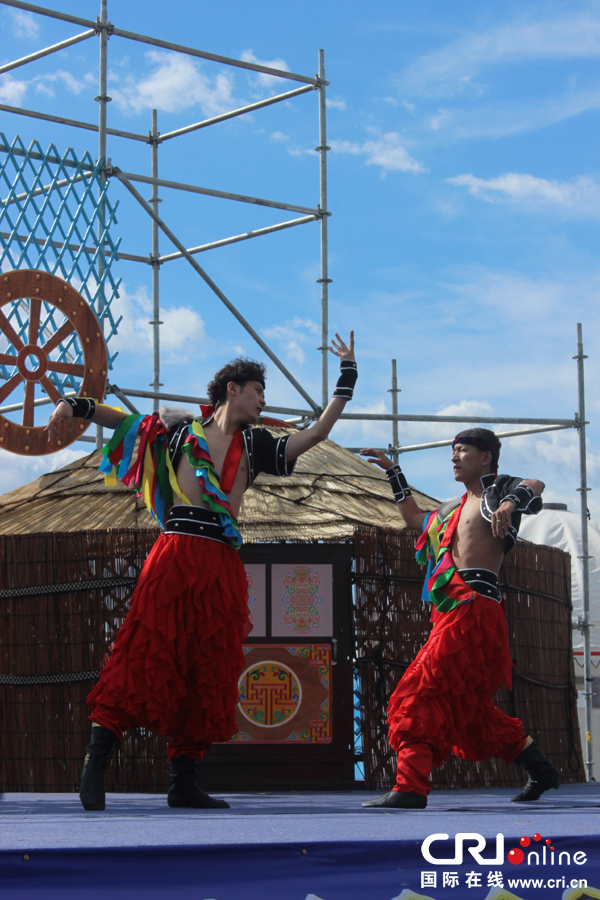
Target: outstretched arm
502	518
301	441
101	415
413	516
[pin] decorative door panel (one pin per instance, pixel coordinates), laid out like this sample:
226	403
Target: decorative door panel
257	598
302	600
295	717
285	694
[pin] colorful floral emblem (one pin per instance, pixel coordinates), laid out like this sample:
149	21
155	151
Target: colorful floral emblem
270	694
301	600
251	597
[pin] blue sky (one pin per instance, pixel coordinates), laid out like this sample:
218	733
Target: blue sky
464	186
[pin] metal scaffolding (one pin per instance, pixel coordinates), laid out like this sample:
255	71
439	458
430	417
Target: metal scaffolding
106	170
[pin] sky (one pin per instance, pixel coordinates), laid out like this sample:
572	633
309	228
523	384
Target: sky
464	186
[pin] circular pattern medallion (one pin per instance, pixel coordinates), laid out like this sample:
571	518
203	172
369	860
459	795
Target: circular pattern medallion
270	694
34	361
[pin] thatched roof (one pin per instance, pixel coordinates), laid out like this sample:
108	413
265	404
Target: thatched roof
73	498
330	492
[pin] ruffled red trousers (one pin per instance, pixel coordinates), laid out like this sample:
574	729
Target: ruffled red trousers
445	701
177	658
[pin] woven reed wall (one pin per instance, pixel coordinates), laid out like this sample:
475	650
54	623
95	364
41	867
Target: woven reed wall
57	633
392	624
60	635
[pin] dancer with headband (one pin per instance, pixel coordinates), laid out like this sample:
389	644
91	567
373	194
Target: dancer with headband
444	701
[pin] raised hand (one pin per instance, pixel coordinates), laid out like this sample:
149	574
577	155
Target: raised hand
377	458
61	411
339	348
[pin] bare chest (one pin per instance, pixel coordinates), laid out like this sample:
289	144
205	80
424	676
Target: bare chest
472	525
473	544
218	448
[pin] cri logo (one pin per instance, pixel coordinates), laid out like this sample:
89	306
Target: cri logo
516	855
541	851
475	852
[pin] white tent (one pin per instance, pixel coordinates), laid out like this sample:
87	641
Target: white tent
557	527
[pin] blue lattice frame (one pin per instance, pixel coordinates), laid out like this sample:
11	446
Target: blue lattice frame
50	200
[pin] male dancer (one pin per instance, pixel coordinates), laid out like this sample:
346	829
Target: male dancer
177	658
444	701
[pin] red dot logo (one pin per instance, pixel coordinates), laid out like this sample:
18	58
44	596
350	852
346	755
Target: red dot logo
537	837
516	856
548	841
524	842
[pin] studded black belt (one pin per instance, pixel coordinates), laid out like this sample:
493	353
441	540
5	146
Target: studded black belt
484	581
197	522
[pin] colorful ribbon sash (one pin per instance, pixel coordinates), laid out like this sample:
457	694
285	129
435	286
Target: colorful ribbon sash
443	585
153	476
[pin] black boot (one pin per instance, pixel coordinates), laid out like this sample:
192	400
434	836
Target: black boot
542	774
398	800
184	792
91	789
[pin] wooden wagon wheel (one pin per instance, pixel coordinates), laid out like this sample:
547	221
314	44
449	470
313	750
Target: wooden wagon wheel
27	439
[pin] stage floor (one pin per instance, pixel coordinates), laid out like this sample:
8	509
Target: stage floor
52	821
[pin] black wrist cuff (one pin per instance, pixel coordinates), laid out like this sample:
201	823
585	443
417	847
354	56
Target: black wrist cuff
348	375
525	499
83	407
398	483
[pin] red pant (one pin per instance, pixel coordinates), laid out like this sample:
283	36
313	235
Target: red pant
177	658
445	701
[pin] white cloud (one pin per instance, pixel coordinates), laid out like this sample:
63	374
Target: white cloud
262	79
279	136
467	408
335	104
24	24
581	193
442	118
560	449
377	408
176	83
69	455
452	69
44	83
182	334
517	298
425	432
293	336
522	115
12	91
387	152
16	470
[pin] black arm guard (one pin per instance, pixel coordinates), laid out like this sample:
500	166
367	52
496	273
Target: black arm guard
267	453
525	499
348	375
83	407
398	483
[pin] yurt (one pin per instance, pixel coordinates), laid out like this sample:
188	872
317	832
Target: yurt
335	603
557	526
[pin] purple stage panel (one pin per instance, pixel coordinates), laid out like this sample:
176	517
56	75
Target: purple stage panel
350	870
296	846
